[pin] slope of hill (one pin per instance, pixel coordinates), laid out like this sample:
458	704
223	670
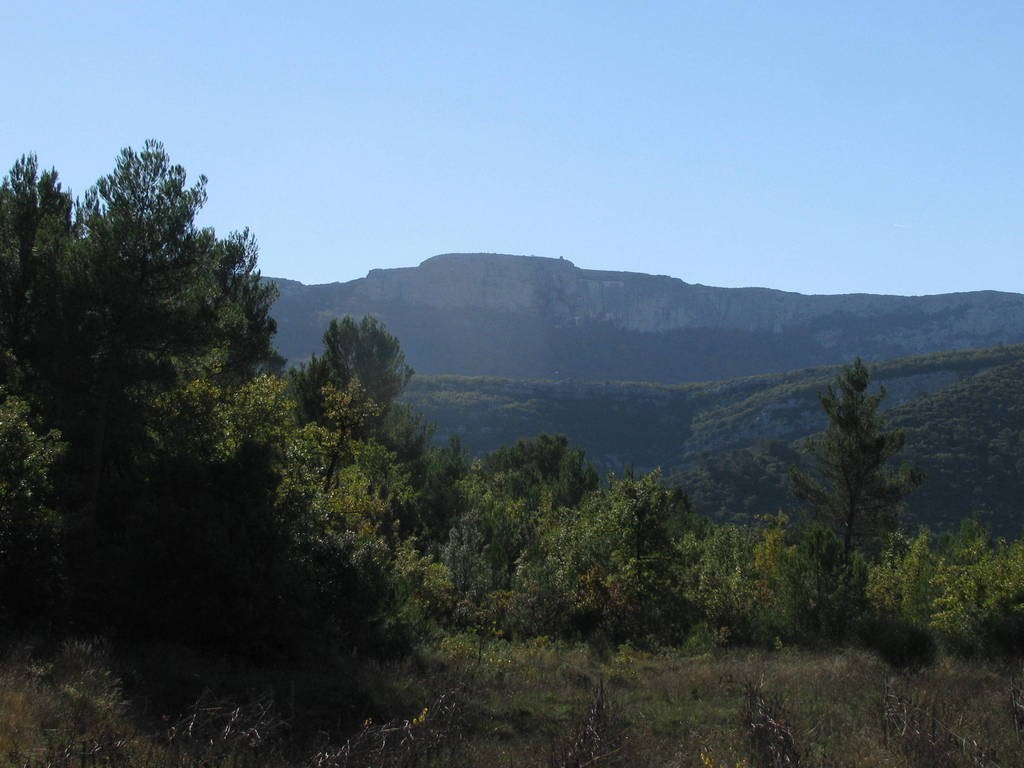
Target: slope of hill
528	317
968	438
730	443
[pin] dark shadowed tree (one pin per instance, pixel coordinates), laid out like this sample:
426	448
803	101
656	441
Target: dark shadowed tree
545	464
105	308
159	299
36	234
29	527
360	352
242	304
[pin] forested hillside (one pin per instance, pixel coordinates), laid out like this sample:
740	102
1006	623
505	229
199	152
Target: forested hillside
966	437
731	443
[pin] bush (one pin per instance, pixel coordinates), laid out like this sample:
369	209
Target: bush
29	528
900	643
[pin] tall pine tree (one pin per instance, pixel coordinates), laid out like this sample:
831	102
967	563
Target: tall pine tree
855	490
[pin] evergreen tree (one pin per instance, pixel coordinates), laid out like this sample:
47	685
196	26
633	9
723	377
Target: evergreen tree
36	234
108	306
359	353
855	490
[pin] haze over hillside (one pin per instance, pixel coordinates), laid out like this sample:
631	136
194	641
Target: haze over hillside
532	317
730	443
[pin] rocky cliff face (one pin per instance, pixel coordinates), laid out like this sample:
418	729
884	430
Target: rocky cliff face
556	320
561	292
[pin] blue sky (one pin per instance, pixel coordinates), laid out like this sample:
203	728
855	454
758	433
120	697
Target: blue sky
809	146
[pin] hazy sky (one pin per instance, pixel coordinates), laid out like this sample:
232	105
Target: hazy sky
820	147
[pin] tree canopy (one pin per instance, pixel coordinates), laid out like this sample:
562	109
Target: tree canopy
360	354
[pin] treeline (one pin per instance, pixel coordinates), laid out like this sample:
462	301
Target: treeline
161	477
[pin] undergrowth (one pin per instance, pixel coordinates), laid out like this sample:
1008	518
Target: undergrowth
472	701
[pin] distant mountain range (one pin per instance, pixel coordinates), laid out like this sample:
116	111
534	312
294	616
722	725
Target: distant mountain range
530	317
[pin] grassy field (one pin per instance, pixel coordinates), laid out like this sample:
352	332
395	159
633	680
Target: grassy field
462	701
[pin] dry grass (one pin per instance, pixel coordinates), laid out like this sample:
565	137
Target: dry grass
495	703
954	715
65	708
680	711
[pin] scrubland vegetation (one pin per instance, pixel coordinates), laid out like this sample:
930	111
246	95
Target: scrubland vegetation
467	701
207	560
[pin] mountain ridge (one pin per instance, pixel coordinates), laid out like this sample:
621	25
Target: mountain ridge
550	318
468	257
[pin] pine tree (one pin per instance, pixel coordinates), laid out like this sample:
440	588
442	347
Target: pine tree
855	489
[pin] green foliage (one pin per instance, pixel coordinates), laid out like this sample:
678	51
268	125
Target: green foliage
614	562
162	295
354	352
424	591
441	501
901	583
29	527
543	469
825	586
902	644
265	535
856	492
36	234
724	583
509	498
195	506
242	302
979	605
488	541
106	312
963	592
204	550
969	440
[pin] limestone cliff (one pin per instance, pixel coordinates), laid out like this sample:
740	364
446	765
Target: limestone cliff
552	319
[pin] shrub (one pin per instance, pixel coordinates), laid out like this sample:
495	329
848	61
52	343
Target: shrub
900	643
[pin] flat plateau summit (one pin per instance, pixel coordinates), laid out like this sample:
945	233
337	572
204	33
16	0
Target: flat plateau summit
533	317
